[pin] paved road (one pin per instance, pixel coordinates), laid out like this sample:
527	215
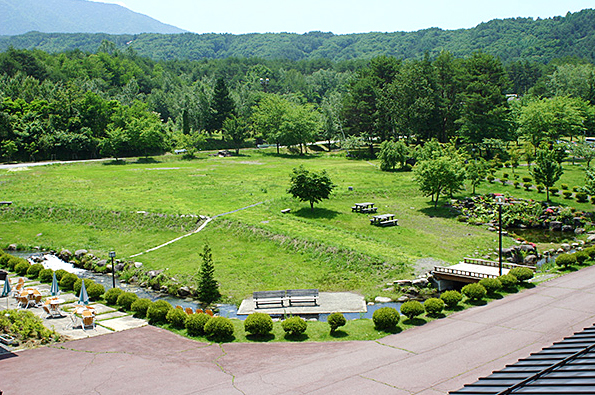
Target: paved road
432	359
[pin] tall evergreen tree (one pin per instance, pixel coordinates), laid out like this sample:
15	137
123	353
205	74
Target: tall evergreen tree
208	289
222	106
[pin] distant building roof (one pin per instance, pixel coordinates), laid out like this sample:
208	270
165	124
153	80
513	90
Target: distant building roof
567	367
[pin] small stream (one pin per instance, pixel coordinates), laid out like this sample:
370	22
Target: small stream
225	310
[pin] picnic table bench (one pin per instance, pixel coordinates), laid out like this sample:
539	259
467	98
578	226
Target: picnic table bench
269	297
5	203
384	220
302	296
366	208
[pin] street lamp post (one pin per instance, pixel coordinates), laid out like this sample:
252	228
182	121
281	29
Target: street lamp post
500	203
112	255
265	83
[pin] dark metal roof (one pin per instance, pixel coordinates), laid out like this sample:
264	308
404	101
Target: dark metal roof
567	367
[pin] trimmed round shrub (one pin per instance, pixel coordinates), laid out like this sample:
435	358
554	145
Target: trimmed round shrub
13	261
140	306
67	281
474	291
294	326
78	284
95	291
565	260
554	191
582	197
157	312
434	306
523	273
491	284
258	324
21	268
581	257
527	179
412	309
176	317
564	186
451	298
195	324
219	328
33	271
386	318
567	194
590	251
111	296
336	320
46	276
508	280
126	299
60	273
4	259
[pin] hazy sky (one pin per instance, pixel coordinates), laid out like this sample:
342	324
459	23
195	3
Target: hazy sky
341	16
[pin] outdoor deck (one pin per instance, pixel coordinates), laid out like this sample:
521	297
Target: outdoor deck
328	302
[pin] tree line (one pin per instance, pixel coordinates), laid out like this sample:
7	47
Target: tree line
117	103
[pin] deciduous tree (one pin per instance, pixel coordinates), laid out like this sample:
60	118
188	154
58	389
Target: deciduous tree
310	186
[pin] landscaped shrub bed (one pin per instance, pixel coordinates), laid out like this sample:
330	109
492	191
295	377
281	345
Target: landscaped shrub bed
195	324
126	299
26	328
434	306
175	317
111	296
412	309
474	291
157	312
140	306
491	284
451	298
219	328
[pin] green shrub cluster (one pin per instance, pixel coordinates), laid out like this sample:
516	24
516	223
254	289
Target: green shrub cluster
523	273
21	268
219	328
24	326
508	281
294	326
451	298
95	291
176	317
125	300
60	273
195	324
582	197
67	281
46	275
412	309
140	306
434	306
590	251
33	271
565	260
335	320
386	318
581	257
491	284
474	291
112	294
157	312
258	324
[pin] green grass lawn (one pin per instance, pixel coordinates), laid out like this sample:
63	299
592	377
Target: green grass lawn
258	248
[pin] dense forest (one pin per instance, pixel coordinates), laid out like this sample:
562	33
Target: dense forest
116	103
510	40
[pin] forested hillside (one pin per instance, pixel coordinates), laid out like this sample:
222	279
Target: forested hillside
509	39
116	103
74	16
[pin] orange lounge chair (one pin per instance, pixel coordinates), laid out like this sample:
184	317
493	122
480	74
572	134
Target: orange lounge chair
189	311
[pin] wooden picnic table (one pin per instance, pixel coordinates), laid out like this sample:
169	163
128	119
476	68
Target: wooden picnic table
366	207
384	220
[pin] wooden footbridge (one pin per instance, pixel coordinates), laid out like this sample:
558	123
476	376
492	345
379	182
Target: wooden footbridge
472	270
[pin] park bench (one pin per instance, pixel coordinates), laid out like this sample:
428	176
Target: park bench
268	297
384	220
302	296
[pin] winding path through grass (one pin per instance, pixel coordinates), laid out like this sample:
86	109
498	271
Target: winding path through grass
201	227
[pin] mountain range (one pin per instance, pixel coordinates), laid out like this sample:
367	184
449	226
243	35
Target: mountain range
513	39
75	16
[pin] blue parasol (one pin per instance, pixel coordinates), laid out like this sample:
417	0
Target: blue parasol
54	290
83	297
6	289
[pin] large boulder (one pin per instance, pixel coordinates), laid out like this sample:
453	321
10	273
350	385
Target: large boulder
119	267
567	228
80	253
527	248
530	260
12	247
65	255
184	292
101	263
556	225
591	239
